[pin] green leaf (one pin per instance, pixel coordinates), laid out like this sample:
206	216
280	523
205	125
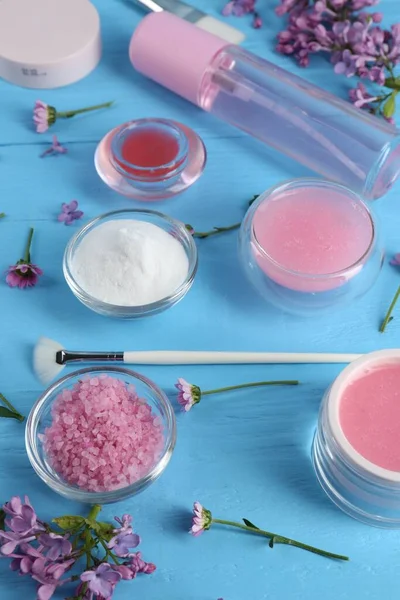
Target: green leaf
390	106
2	519
8	414
69	522
249	524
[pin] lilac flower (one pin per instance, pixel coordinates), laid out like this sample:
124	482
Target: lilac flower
360	97
395	260
21	518
55	148
24	560
69	212
58	546
138	565
201	521
347	64
122	542
102	580
377	74
13	540
49	576
125	522
188	395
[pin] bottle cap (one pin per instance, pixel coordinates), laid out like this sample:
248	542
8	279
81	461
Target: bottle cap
48	43
173	52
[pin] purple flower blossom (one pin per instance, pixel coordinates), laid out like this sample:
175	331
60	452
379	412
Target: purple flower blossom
395	260
49	576
23	275
125	522
347	64
12	541
238	8
102	580
257	21
121	543
21	518
55	148
360	97
24	560
138	565
201	521
69	212
58	546
188	395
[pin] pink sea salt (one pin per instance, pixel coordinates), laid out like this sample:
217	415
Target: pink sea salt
102	436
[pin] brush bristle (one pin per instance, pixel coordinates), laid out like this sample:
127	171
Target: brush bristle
44	360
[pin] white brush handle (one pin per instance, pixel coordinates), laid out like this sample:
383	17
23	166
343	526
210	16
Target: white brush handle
171	357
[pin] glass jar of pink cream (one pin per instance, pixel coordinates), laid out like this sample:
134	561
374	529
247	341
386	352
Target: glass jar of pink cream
356	449
308	245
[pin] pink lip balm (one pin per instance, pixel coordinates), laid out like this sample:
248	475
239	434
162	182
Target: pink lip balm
356	448
304	239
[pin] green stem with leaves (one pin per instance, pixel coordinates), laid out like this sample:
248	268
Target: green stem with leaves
250	385
216	230
2	215
278	539
390	310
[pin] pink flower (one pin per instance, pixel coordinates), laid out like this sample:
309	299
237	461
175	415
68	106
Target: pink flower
395	260
188	395
43	116
69	212
23	275
201	521
55	148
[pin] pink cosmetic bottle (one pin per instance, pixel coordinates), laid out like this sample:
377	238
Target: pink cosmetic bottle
323	132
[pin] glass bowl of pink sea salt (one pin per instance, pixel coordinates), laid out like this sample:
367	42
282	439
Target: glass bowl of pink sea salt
100	435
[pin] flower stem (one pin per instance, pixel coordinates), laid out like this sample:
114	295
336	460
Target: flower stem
18	415
390	310
249	385
27	253
71	113
282	540
94	511
215	231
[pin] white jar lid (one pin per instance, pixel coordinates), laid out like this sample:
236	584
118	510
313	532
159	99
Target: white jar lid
48	43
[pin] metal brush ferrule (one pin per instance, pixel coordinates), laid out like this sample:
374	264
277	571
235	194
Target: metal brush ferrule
65	356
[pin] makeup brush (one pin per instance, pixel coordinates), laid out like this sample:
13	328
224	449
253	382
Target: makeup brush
49	358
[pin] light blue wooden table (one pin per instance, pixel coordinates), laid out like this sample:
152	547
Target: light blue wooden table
246	454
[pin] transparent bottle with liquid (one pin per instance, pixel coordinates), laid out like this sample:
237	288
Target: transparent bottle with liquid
321	131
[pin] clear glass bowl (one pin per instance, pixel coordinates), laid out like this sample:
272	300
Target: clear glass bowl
307	294
175	228
40	417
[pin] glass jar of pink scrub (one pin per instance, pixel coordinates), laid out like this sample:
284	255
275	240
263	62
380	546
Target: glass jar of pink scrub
308	245
356	449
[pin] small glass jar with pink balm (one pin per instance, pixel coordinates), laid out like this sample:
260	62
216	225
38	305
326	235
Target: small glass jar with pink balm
356	450
308	245
101	434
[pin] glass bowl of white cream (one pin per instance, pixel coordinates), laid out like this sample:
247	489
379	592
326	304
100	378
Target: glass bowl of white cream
130	263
